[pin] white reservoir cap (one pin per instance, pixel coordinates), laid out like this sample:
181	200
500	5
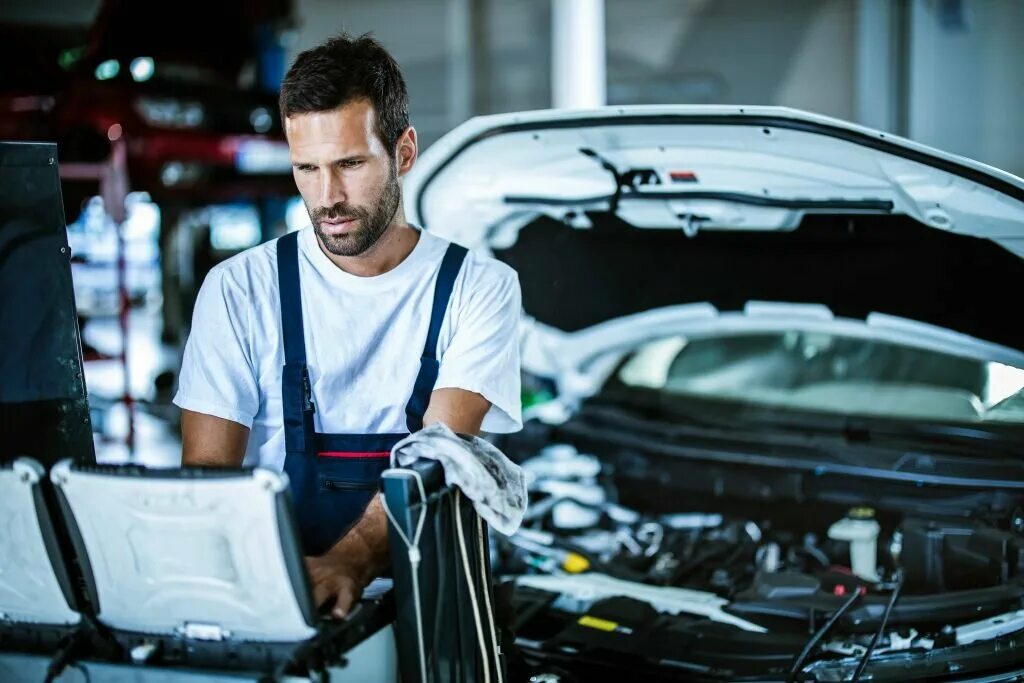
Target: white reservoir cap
862	535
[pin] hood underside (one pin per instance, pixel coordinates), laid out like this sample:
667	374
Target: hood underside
611	212
855	265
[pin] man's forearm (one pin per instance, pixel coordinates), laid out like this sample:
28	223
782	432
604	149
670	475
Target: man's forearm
366	543
364	547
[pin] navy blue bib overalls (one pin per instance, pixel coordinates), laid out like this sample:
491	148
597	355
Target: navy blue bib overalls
333	477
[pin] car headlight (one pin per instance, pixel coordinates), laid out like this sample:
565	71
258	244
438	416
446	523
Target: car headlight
170	113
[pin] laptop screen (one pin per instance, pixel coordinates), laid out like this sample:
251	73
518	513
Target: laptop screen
208	554
31	577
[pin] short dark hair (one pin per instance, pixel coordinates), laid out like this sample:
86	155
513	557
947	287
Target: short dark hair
345	69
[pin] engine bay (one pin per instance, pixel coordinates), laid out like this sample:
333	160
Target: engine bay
778	591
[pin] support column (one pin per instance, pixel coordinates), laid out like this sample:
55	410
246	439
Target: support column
578	54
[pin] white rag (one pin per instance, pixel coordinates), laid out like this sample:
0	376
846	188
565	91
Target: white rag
485	475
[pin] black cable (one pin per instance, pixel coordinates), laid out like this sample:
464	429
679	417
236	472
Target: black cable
819	634
684	570
67	652
442	558
85	672
881	627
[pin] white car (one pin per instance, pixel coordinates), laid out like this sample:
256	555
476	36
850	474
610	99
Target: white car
774	366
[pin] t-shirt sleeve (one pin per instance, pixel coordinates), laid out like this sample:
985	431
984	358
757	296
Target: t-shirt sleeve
483	355
217	374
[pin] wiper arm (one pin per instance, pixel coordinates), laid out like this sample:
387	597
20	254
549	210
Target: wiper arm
661	403
851	429
959	436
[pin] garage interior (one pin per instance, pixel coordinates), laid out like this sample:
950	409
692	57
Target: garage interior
878	66
172	159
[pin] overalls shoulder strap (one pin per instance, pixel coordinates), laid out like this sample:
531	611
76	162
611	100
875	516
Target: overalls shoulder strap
296	393
429	363
291	298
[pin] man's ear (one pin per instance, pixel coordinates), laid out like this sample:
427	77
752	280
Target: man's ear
406	151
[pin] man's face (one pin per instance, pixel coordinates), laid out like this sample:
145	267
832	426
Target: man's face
347	178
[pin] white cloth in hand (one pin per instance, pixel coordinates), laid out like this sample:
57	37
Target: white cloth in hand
485	475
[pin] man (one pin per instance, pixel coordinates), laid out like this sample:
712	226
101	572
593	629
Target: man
315	353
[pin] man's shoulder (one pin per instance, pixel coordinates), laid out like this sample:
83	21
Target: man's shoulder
484	279
487	270
254	268
478	268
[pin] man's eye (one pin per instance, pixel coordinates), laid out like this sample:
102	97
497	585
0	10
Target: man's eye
306	169
351	163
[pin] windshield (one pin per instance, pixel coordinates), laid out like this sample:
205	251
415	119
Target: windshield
829	373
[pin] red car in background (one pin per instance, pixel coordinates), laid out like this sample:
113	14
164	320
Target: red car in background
189	87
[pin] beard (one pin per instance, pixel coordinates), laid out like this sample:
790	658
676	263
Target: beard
373	220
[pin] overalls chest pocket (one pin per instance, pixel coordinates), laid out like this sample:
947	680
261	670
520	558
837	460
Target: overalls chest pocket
345	486
350	473
348	469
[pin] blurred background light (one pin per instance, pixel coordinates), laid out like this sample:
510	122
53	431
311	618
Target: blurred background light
108	69
142	68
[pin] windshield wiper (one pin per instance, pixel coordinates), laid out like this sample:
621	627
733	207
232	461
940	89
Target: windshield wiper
982	439
657	403
722	414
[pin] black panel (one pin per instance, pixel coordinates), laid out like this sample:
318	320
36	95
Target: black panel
43	409
572	278
176	473
81	553
450	639
58	545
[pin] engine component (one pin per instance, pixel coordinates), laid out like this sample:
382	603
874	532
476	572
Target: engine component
545	555
769	556
561	461
987	629
772	585
737	589
861	530
568	514
577	593
691	520
651	535
922	554
940	556
586	493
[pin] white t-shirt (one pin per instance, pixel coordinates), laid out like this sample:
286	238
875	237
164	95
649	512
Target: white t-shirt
364	339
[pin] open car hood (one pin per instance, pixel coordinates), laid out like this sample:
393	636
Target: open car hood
617	212
746	222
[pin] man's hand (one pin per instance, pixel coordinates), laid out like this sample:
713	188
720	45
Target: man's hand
336	582
339	576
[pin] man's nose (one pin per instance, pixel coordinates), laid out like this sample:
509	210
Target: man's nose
332	188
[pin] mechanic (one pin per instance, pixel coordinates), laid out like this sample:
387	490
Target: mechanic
316	352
